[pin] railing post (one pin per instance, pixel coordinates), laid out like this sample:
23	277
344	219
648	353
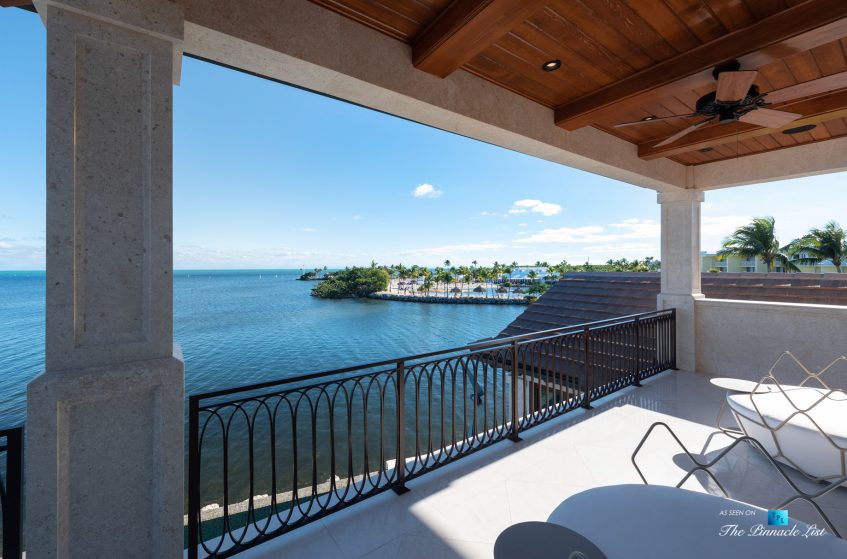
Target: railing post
586	339
673	339
514	436
12	509
636	381
400	462
193	476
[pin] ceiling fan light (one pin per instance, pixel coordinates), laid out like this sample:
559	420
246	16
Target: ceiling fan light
551	65
799	129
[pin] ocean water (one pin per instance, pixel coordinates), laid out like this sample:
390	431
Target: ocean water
238	327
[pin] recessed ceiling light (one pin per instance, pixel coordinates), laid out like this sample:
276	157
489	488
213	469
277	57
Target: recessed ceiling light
798	129
649	118
551	65
706	150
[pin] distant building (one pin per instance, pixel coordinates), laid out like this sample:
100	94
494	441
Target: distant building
520	275
736	264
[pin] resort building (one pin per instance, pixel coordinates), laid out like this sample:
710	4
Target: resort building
711	262
679	98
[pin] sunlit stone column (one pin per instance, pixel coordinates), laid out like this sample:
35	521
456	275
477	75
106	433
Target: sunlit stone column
105	418
681	268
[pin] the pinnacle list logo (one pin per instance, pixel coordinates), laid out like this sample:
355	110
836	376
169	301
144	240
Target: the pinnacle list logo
777	518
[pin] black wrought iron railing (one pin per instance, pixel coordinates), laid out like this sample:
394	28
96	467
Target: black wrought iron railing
11	484
268	458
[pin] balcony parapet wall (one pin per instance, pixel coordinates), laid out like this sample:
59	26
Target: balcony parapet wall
742	339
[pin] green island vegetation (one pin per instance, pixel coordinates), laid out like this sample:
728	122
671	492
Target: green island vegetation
496	281
758	240
353	282
318	274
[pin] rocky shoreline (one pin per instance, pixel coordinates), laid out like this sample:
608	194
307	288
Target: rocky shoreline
448	300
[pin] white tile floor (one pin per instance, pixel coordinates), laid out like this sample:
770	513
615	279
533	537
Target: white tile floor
459	510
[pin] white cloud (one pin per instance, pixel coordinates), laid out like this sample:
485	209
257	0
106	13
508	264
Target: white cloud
530	205
211	257
522	224
722	225
19	254
639	228
448	250
426	190
625	230
714	229
588	234
308	229
625	250
357	217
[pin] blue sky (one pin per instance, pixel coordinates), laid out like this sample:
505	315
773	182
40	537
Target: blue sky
270	176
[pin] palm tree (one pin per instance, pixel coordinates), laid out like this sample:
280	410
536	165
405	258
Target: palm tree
427	282
483	274
426	285
829	243
757	239
446	277
465	274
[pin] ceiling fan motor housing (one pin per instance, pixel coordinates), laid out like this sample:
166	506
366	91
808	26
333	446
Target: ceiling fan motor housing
708	105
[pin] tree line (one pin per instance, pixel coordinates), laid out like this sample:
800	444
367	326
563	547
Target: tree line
362	281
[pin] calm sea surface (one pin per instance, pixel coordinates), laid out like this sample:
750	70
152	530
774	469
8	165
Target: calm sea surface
243	326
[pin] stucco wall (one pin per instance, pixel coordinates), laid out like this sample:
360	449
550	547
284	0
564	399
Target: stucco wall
743	338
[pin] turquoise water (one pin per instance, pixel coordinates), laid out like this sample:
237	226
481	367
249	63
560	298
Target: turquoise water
239	327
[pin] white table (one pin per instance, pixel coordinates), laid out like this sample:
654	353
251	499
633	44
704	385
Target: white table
543	540
658	522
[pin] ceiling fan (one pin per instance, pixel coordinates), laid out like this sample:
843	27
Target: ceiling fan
737	99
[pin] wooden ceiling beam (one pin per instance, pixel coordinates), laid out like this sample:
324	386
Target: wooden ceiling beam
466	28
796	29
15	3
816	110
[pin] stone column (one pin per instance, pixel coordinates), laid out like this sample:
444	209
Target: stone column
104	468
681	268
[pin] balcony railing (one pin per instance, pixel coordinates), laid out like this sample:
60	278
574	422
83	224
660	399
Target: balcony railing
268	458
10	491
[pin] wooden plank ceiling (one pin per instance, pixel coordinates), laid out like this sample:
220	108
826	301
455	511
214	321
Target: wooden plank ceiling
623	60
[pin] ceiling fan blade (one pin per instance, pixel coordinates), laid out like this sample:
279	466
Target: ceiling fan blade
769	118
733	86
820	85
681	133
658	118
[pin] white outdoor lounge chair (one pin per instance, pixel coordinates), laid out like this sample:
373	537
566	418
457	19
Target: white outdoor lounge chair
802	426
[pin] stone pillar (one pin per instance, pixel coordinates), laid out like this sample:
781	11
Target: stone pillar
105	418
681	268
